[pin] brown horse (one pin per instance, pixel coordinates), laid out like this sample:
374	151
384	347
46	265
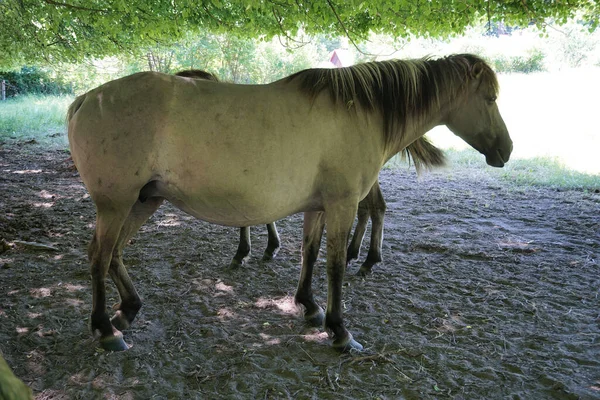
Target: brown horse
371	207
242	155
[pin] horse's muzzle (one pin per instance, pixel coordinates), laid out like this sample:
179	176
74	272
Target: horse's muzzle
499	157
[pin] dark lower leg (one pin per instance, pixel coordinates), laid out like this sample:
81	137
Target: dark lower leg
130	303
374	254
339	223
377	211
108	226
273	243
359	233
243	251
313	231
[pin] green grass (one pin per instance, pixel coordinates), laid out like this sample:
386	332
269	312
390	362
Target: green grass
536	171
39	118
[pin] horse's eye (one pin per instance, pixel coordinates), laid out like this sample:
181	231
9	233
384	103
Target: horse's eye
492	99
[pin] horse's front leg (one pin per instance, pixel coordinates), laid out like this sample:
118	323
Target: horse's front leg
339	219
314	223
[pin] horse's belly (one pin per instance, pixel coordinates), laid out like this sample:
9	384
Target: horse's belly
233	208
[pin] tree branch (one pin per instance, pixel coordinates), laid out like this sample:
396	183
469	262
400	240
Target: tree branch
287	36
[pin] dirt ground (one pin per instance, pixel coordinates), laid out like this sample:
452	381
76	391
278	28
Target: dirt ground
488	290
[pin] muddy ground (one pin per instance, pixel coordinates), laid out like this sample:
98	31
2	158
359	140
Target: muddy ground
488	290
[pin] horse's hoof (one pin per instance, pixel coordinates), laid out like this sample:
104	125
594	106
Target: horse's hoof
119	321
365	270
269	255
347	345
235	264
316	319
114	343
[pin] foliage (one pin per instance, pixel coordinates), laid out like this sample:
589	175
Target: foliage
574	46
46	31
533	61
33	80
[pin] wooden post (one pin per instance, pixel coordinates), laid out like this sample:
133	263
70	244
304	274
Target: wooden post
3	90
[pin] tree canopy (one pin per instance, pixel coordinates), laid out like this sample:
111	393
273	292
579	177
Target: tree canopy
39	31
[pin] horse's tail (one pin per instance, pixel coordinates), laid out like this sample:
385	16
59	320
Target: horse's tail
424	154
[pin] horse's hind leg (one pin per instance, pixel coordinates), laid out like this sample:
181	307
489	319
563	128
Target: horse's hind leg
359	231
377	211
314	222
130	303
109	221
273	243
244	247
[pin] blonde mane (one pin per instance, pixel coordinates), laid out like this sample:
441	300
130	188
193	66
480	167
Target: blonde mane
398	89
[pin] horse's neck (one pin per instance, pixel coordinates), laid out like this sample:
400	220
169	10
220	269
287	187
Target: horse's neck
417	127
414	129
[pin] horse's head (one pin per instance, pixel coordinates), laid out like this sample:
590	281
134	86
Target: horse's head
477	119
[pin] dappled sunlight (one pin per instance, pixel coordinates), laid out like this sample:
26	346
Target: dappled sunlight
69	287
43	205
40	292
6	261
76	303
222	287
27	171
270	340
517	246
169	220
286	305
44	194
316	337
225	314
22	330
33	315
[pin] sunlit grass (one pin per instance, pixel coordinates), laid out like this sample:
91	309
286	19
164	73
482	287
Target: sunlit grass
34	117
536	171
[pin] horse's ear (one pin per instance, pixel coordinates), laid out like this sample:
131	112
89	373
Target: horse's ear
477	70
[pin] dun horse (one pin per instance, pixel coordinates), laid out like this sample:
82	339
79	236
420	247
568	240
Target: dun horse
242	155
421	151
244	247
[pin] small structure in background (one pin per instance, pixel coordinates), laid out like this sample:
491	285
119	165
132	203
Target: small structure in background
3	90
341	58
338	58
